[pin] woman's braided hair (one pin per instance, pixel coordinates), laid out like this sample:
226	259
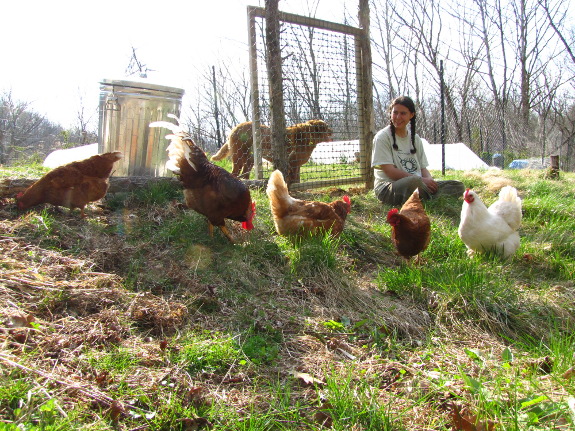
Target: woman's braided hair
408	103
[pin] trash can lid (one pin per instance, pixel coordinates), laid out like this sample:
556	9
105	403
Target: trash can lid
144	85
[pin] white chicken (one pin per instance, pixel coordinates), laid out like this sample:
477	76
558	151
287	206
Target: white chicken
492	229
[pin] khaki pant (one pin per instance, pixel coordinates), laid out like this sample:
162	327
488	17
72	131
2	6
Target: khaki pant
397	192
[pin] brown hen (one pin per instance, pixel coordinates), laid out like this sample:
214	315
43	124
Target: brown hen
410	227
73	185
296	216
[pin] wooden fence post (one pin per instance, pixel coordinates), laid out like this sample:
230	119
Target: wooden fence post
274	66
366	96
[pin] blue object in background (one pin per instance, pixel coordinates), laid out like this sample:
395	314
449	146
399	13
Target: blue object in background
519	164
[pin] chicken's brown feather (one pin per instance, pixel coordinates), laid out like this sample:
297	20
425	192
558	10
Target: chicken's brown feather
411	228
73	185
208	189
295	216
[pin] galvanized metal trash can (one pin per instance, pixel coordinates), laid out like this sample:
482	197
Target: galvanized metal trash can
126	109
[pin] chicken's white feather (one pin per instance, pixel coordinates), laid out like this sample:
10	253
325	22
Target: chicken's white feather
177	149
188	156
508	207
174	117
175	128
485	229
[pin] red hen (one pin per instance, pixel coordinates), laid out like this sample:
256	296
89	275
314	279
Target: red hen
410	227
73	185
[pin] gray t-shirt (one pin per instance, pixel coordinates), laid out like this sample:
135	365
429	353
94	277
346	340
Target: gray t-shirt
384	154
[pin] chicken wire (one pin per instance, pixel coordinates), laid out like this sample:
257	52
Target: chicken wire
321	81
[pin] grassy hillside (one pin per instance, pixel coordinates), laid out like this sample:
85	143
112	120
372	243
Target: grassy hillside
134	319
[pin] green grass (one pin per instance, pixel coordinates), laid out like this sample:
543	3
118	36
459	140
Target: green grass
35	170
139	305
208	352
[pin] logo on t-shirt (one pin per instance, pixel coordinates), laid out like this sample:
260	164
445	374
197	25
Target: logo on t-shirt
409	164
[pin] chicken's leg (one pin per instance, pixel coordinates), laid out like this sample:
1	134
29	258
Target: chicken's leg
225	231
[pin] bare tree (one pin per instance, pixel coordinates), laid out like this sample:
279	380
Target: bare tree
425	38
230	86
86	130
24	134
535	47
556	13
136	67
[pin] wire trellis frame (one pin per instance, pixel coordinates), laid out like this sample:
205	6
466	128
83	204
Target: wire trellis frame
348	159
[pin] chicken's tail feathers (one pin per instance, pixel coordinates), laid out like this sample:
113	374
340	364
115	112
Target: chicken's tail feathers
114	155
174	128
178	150
277	184
509	194
414	201
175	117
222	153
278	193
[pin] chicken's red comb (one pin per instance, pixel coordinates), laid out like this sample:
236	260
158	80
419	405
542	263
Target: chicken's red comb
347	200
391	213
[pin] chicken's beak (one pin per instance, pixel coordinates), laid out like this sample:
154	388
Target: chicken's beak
467	197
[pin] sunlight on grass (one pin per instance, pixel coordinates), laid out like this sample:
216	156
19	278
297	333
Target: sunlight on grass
393	345
310	253
351	403
207	352
119	360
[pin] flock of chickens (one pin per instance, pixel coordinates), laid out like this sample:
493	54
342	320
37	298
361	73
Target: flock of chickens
218	195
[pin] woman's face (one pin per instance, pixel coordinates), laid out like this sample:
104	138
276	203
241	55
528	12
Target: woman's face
400	116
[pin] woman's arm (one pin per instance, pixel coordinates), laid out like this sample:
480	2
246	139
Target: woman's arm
392	172
428	180
395	174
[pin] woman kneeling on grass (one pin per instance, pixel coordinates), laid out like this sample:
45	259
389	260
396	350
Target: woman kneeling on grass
399	161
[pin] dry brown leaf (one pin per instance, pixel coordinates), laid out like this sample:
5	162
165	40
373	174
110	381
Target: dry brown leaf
322	415
102	378
21	321
196	424
307	379
163	344
468	422
196	396
569	373
19	335
116	410
543	365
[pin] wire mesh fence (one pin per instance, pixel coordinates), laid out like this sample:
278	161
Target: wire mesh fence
321	78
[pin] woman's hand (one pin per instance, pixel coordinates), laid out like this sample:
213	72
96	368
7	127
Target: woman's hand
430	183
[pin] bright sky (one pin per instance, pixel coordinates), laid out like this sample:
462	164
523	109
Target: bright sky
56	51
